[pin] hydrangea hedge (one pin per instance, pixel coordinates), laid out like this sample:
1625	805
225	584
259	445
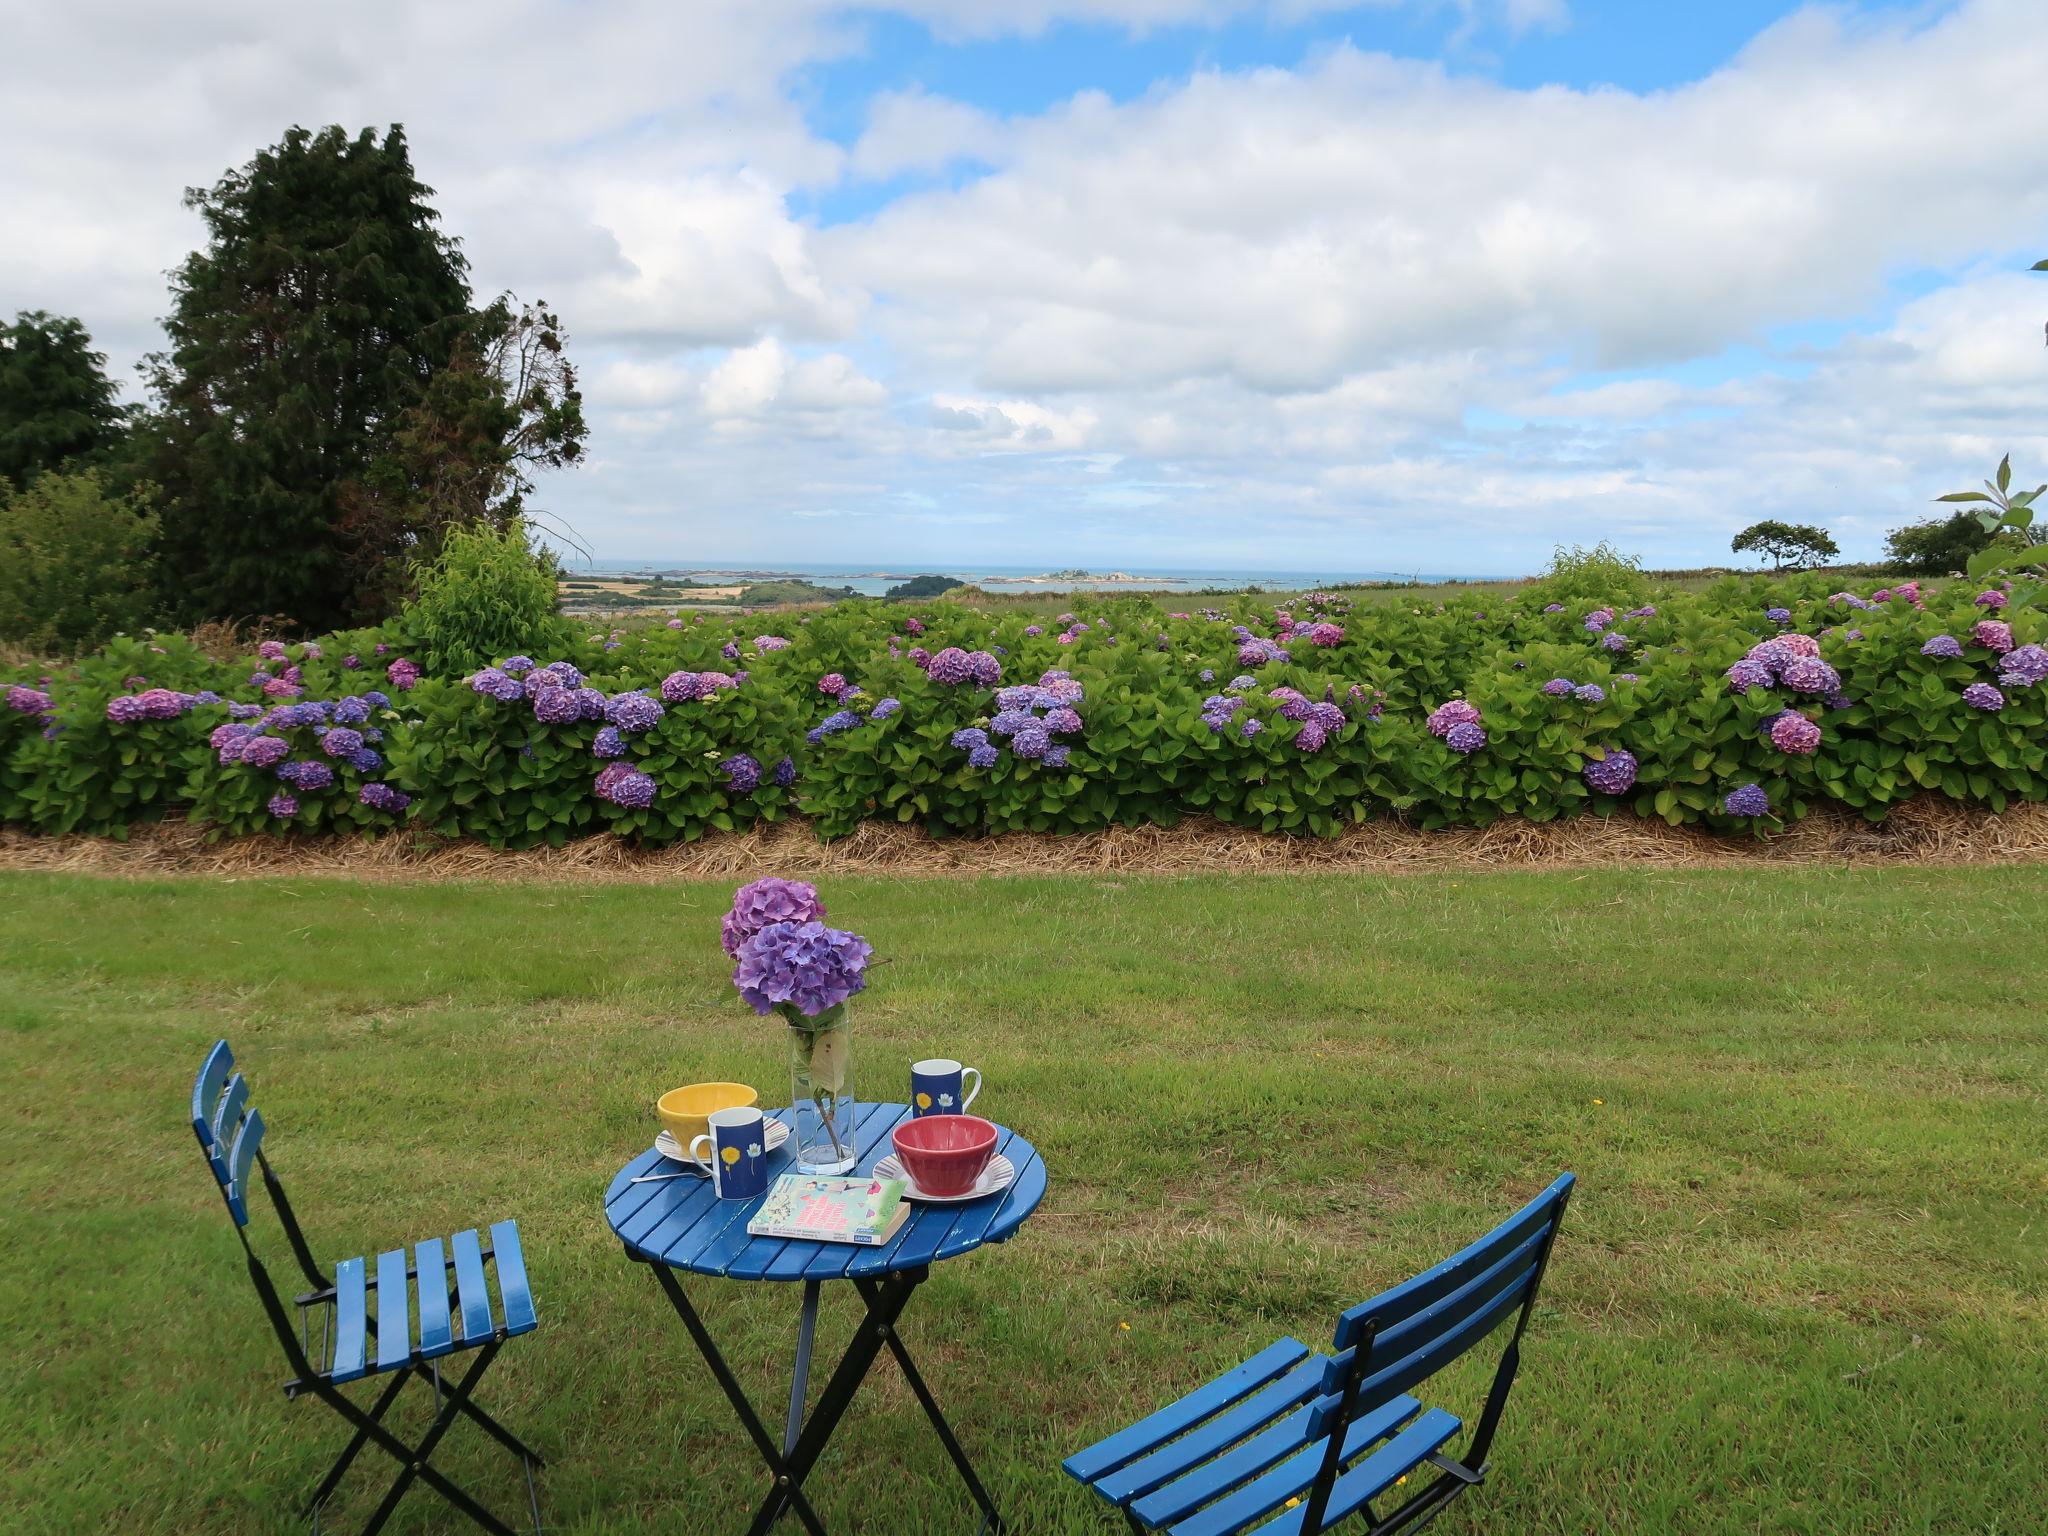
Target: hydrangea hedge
1734	709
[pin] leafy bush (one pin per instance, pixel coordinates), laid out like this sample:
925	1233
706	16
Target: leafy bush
1735	709
75	564
1602	574
485	594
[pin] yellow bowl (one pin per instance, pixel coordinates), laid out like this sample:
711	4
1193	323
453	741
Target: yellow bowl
686	1112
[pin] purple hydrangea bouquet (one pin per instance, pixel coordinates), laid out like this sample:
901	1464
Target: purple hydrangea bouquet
787	962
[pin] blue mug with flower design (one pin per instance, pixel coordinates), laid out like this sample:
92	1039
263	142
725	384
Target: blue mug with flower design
936	1087
734	1152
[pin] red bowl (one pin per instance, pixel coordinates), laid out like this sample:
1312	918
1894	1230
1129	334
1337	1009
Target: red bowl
944	1154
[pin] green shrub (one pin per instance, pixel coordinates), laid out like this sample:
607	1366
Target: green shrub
75	563
486	594
1602	574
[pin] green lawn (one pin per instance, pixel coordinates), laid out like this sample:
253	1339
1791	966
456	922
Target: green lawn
1803	1286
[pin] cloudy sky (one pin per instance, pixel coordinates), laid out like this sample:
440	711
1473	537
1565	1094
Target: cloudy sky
1164	284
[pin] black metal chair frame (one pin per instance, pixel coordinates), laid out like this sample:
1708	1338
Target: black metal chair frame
805	1438
1460	1473
311	1378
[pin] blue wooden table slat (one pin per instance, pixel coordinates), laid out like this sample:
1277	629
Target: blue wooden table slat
350	1328
682	1222
510	1260
436	1339
469	1286
394	1322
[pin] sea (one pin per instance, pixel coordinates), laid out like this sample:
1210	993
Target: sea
874	580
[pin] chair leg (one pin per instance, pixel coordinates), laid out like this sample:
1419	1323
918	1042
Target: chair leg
489	1425
412	1458
335	1473
424	1451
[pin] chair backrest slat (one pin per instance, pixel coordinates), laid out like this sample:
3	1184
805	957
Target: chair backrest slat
227	1118
1436	1352
206	1087
240	1159
1393	1307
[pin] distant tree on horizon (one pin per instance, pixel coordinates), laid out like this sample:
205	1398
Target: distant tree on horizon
922	586
57	405
1794	544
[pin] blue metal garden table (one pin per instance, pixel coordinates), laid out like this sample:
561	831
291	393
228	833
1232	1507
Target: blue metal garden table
679	1225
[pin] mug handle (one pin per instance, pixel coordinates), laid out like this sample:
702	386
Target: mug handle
969	1097
703	1161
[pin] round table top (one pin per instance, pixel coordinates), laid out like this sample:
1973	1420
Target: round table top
682	1223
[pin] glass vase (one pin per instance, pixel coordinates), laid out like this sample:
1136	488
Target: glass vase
821	1092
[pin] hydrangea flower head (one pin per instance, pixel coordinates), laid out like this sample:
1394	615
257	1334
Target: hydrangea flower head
1465	737
1983	696
382	797
1616	641
1447	716
1747	674
1590	693
1614	774
1778	615
1749	800
608	742
884	708
2024	666
341	742
1809	674
1993	635
632	711
1990	598
1793	732
1558	687
832	684
625	786
403	675
1947	646
282	806
800	966
742	773
557	706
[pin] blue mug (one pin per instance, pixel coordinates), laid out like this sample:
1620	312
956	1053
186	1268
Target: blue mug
936	1087
734	1152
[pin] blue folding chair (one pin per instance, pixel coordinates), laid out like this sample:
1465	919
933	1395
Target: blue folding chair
1292	1441
339	1337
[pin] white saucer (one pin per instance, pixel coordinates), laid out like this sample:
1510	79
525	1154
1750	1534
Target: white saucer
998	1175
775	1135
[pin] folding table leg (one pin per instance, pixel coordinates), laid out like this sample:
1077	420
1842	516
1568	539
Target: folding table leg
736	1395
991	1521
800	1376
880	1321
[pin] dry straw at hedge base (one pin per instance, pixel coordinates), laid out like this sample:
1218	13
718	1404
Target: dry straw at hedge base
1926	831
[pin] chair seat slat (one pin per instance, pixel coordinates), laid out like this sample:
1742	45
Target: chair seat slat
469	1285
350	1330
394	1319
1246	1417
1154	1430
1373	1475
1238	1510
513	1294
436	1338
